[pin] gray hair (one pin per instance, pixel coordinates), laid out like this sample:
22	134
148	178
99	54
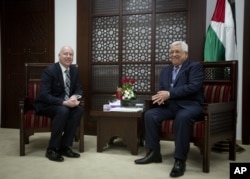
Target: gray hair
183	45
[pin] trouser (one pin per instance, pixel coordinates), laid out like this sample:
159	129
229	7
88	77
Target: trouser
183	125
64	124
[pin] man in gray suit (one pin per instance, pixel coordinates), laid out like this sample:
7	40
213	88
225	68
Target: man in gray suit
180	97
58	98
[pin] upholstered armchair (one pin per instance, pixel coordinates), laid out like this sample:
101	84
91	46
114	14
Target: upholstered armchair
30	122
220	111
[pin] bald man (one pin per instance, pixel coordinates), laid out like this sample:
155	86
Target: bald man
58	98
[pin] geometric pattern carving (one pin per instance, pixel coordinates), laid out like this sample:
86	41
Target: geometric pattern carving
97	100
123	39
137	31
141	73
158	69
105	6
170	5
105	39
137	5
227	73
105	77
217	73
169	28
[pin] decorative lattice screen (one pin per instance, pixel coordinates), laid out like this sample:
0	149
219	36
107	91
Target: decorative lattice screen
131	38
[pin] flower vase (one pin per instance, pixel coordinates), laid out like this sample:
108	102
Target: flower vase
126	103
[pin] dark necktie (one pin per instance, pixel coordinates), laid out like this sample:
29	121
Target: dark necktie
67	84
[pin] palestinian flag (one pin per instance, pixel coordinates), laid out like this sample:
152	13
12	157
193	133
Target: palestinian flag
220	42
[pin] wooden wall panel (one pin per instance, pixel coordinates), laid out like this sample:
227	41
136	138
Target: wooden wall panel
246	79
27	35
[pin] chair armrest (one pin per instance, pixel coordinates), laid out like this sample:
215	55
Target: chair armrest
210	108
220	117
207	107
21	103
24	104
82	102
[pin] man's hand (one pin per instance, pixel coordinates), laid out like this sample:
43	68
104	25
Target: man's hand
160	97
71	102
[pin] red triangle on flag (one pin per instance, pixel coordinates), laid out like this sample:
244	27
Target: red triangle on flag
219	12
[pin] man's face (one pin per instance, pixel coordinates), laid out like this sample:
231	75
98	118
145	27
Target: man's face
177	55
66	56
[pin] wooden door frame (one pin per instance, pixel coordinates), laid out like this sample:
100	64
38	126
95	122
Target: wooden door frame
245	76
49	50
83	56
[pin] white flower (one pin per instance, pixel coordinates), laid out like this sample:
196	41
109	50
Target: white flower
128	94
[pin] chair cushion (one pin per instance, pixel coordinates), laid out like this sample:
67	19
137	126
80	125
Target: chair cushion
168	128
213	94
34	121
217	93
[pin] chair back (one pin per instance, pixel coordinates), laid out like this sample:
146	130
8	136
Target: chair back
220	81
33	73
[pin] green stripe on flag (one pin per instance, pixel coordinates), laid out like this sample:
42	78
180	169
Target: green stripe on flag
214	49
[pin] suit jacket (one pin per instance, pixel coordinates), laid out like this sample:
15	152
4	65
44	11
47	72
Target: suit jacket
187	89
52	90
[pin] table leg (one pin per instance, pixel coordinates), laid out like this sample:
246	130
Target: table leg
125	128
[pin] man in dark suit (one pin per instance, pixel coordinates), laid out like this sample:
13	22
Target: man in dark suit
179	98
58	99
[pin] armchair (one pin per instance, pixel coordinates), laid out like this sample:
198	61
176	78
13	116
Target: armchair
30	122
220	111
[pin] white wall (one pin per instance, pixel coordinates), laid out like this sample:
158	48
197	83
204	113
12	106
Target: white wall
239	6
65	25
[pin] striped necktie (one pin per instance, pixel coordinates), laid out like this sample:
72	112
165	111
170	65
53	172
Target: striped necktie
67	84
175	71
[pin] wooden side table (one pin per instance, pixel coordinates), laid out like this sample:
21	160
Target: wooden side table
126	125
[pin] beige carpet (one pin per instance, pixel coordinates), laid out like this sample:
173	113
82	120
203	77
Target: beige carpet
115	162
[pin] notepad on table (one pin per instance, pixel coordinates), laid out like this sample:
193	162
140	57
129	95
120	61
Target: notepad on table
126	109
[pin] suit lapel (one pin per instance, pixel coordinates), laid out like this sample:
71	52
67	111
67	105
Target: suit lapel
184	65
59	74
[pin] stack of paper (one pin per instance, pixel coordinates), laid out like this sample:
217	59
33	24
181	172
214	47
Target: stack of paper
126	109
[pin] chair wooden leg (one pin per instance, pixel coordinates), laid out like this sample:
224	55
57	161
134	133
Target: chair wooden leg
206	160
232	150
81	136
206	155
206	148
22	143
21	132
81	144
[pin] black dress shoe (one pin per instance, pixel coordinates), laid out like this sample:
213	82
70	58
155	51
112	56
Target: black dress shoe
68	153
178	168
53	155
151	157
